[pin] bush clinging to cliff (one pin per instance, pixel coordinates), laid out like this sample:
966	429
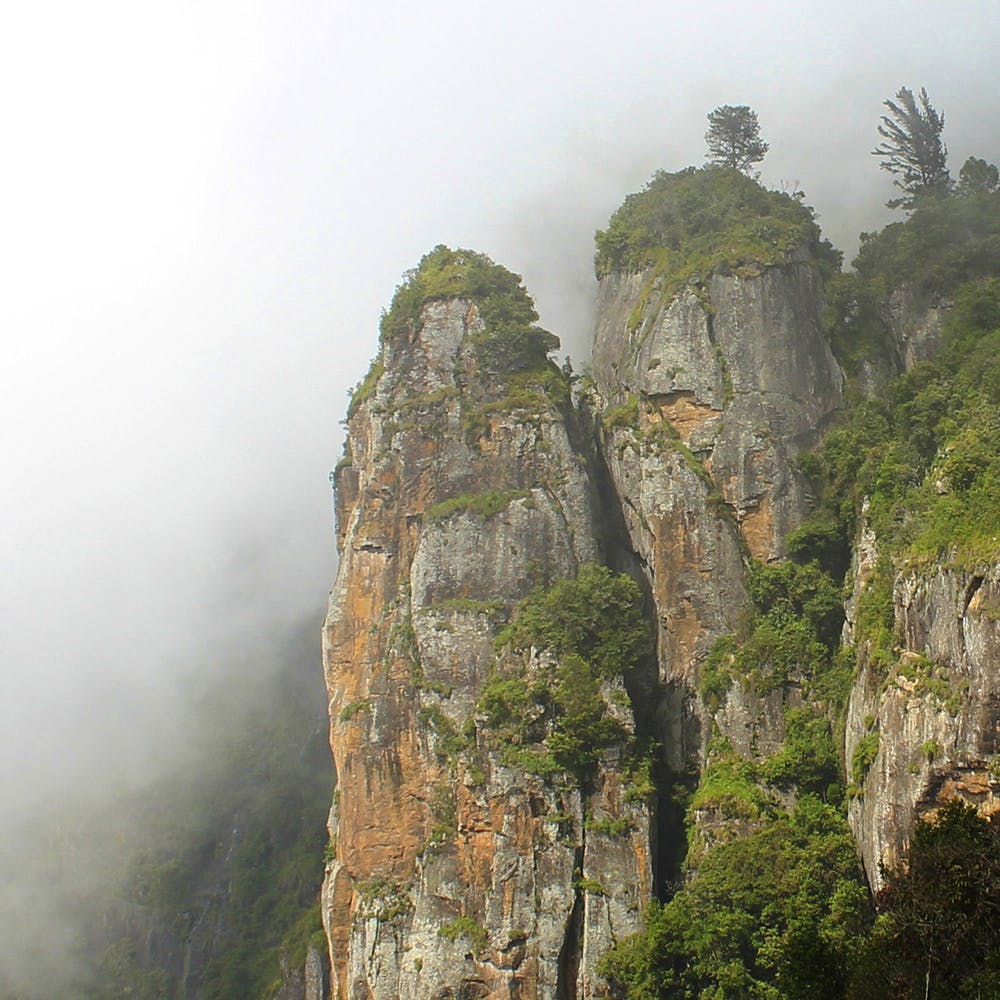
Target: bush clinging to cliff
593	626
597	616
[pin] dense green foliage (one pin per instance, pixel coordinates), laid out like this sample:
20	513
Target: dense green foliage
938	932
945	242
978	177
689	223
729	785
793	632
783	912
597	616
777	914
557	718
808	759
927	452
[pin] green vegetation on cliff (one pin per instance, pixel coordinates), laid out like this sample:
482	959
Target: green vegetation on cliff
687	224
947	241
511	352
485	505
597	615
558	718
783	913
792	633
926	453
778	913
511	341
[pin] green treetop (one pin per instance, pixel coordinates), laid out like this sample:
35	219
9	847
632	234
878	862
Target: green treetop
912	149
733	137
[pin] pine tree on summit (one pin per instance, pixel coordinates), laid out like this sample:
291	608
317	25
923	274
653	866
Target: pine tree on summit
912	148
733	137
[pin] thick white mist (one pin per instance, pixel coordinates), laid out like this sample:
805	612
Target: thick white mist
205	209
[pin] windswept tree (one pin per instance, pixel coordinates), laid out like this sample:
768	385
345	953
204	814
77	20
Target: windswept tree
911	147
733	137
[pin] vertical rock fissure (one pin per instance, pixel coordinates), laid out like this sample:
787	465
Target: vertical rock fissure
720	354
569	953
669	841
970	592
667	838
642	683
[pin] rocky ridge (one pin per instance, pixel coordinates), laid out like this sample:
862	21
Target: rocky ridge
707	399
455	872
465	862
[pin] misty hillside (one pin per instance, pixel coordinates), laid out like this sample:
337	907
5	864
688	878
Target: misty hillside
664	673
202	884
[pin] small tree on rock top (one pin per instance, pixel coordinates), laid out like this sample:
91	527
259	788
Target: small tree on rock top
912	148
733	137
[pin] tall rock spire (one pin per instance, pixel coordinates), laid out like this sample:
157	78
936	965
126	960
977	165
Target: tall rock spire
471	855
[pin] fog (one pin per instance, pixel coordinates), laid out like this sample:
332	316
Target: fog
206	206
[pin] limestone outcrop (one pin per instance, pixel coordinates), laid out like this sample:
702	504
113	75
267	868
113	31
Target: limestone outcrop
925	728
480	846
459	867
454	871
707	399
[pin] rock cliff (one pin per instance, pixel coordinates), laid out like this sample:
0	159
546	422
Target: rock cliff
707	399
923	727
459	866
516	752
923	717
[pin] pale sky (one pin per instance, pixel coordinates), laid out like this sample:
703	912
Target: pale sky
205	207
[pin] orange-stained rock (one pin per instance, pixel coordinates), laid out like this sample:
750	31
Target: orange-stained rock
728	383
453	873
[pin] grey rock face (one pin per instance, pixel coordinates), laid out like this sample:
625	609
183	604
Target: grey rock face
740	367
456	874
315	974
916	322
912	327
936	712
690	552
724	386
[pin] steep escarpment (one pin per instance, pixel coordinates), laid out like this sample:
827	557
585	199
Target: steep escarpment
923	715
531	747
712	374
474	851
